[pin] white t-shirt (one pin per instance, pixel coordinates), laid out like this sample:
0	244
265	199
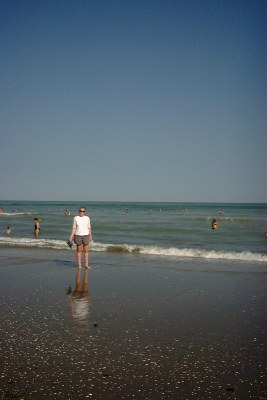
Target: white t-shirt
82	225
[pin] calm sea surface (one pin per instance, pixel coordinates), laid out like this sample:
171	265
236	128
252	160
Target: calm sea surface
159	229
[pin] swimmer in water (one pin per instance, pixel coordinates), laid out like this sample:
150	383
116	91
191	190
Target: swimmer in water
214	224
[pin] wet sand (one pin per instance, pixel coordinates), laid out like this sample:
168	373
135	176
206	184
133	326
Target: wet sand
133	327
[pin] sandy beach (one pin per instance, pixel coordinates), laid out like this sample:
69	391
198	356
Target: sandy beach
134	327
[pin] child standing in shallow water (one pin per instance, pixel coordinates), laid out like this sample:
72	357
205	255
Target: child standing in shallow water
36	226
214	224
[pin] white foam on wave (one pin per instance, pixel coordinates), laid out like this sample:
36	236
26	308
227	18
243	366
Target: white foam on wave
207	254
14	213
33	243
146	250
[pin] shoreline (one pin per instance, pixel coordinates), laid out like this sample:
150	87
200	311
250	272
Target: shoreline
171	254
144	328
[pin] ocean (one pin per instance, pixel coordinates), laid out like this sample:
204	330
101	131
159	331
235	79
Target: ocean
170	230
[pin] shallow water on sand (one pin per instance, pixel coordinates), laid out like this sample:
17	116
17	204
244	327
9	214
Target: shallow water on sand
137	328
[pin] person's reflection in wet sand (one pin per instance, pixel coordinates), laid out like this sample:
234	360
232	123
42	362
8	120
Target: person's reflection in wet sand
79	299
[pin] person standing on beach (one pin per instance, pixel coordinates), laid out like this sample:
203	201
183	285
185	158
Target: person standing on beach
82	234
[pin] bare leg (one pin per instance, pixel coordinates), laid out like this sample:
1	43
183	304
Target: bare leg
79	255
86	256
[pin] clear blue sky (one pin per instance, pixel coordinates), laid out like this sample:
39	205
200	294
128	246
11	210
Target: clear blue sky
133	100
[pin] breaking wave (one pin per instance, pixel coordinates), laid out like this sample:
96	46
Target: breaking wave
132	249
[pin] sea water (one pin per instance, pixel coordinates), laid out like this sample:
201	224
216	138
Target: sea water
174	230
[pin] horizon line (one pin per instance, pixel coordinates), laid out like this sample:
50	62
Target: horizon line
140	201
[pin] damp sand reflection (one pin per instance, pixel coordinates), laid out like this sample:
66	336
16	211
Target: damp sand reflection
79	300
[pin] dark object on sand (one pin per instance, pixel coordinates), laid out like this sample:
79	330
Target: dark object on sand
230	389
